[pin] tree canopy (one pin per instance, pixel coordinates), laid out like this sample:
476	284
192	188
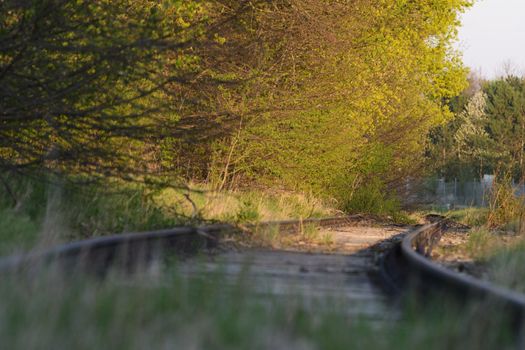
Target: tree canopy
488	134
303	94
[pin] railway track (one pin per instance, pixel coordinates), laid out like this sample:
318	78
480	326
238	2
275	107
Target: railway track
365	263
409	263
135	250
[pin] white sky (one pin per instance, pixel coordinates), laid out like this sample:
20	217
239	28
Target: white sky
493	33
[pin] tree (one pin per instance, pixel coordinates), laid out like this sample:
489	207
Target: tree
506	122
301	93
93	86
488	135
383	91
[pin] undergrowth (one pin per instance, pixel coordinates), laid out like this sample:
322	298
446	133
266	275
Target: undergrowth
52	210
44	212
473	217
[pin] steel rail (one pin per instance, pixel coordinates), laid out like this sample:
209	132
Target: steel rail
133	250
409	263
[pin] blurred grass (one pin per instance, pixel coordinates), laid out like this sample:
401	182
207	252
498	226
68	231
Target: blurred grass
482	243
172	311
507	267
17	231
500	250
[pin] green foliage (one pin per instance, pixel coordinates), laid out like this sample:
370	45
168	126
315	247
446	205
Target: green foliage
504	205
248	212
473	217
506	127
363	189
294	94
370	96
481	243
52	210
17	231
487	134
372	198
94	64
506	266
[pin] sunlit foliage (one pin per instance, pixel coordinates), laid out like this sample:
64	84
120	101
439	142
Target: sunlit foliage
301	94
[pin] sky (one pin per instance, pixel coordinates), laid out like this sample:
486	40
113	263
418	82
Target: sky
493	34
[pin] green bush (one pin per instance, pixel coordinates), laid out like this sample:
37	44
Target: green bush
62	210
17	231
372	198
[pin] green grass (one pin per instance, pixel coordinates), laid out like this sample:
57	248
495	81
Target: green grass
501	252
471	216
374	198
245	206
507	267
17	231
481	244
50	212
170	311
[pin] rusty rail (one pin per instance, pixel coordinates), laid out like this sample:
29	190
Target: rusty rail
133	250
409	264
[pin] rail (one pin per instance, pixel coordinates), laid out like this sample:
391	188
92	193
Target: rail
132	250
410	264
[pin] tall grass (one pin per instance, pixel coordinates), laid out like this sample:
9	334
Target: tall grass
245	206
44	212
482	243
168	310
505	207
54	210
473	217
173	311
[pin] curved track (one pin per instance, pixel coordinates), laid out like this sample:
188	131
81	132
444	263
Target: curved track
409	263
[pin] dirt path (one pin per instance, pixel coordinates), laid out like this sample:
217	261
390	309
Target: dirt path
344	276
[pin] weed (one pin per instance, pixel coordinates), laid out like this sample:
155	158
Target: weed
504	205
248	212
17	231
268	236
473	217
481	243
326	239
374	198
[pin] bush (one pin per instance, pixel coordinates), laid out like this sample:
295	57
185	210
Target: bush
504	205
372	198
55	209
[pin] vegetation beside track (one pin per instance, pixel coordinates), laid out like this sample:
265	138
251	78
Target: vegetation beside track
496	254
168	310
47	212
326	99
